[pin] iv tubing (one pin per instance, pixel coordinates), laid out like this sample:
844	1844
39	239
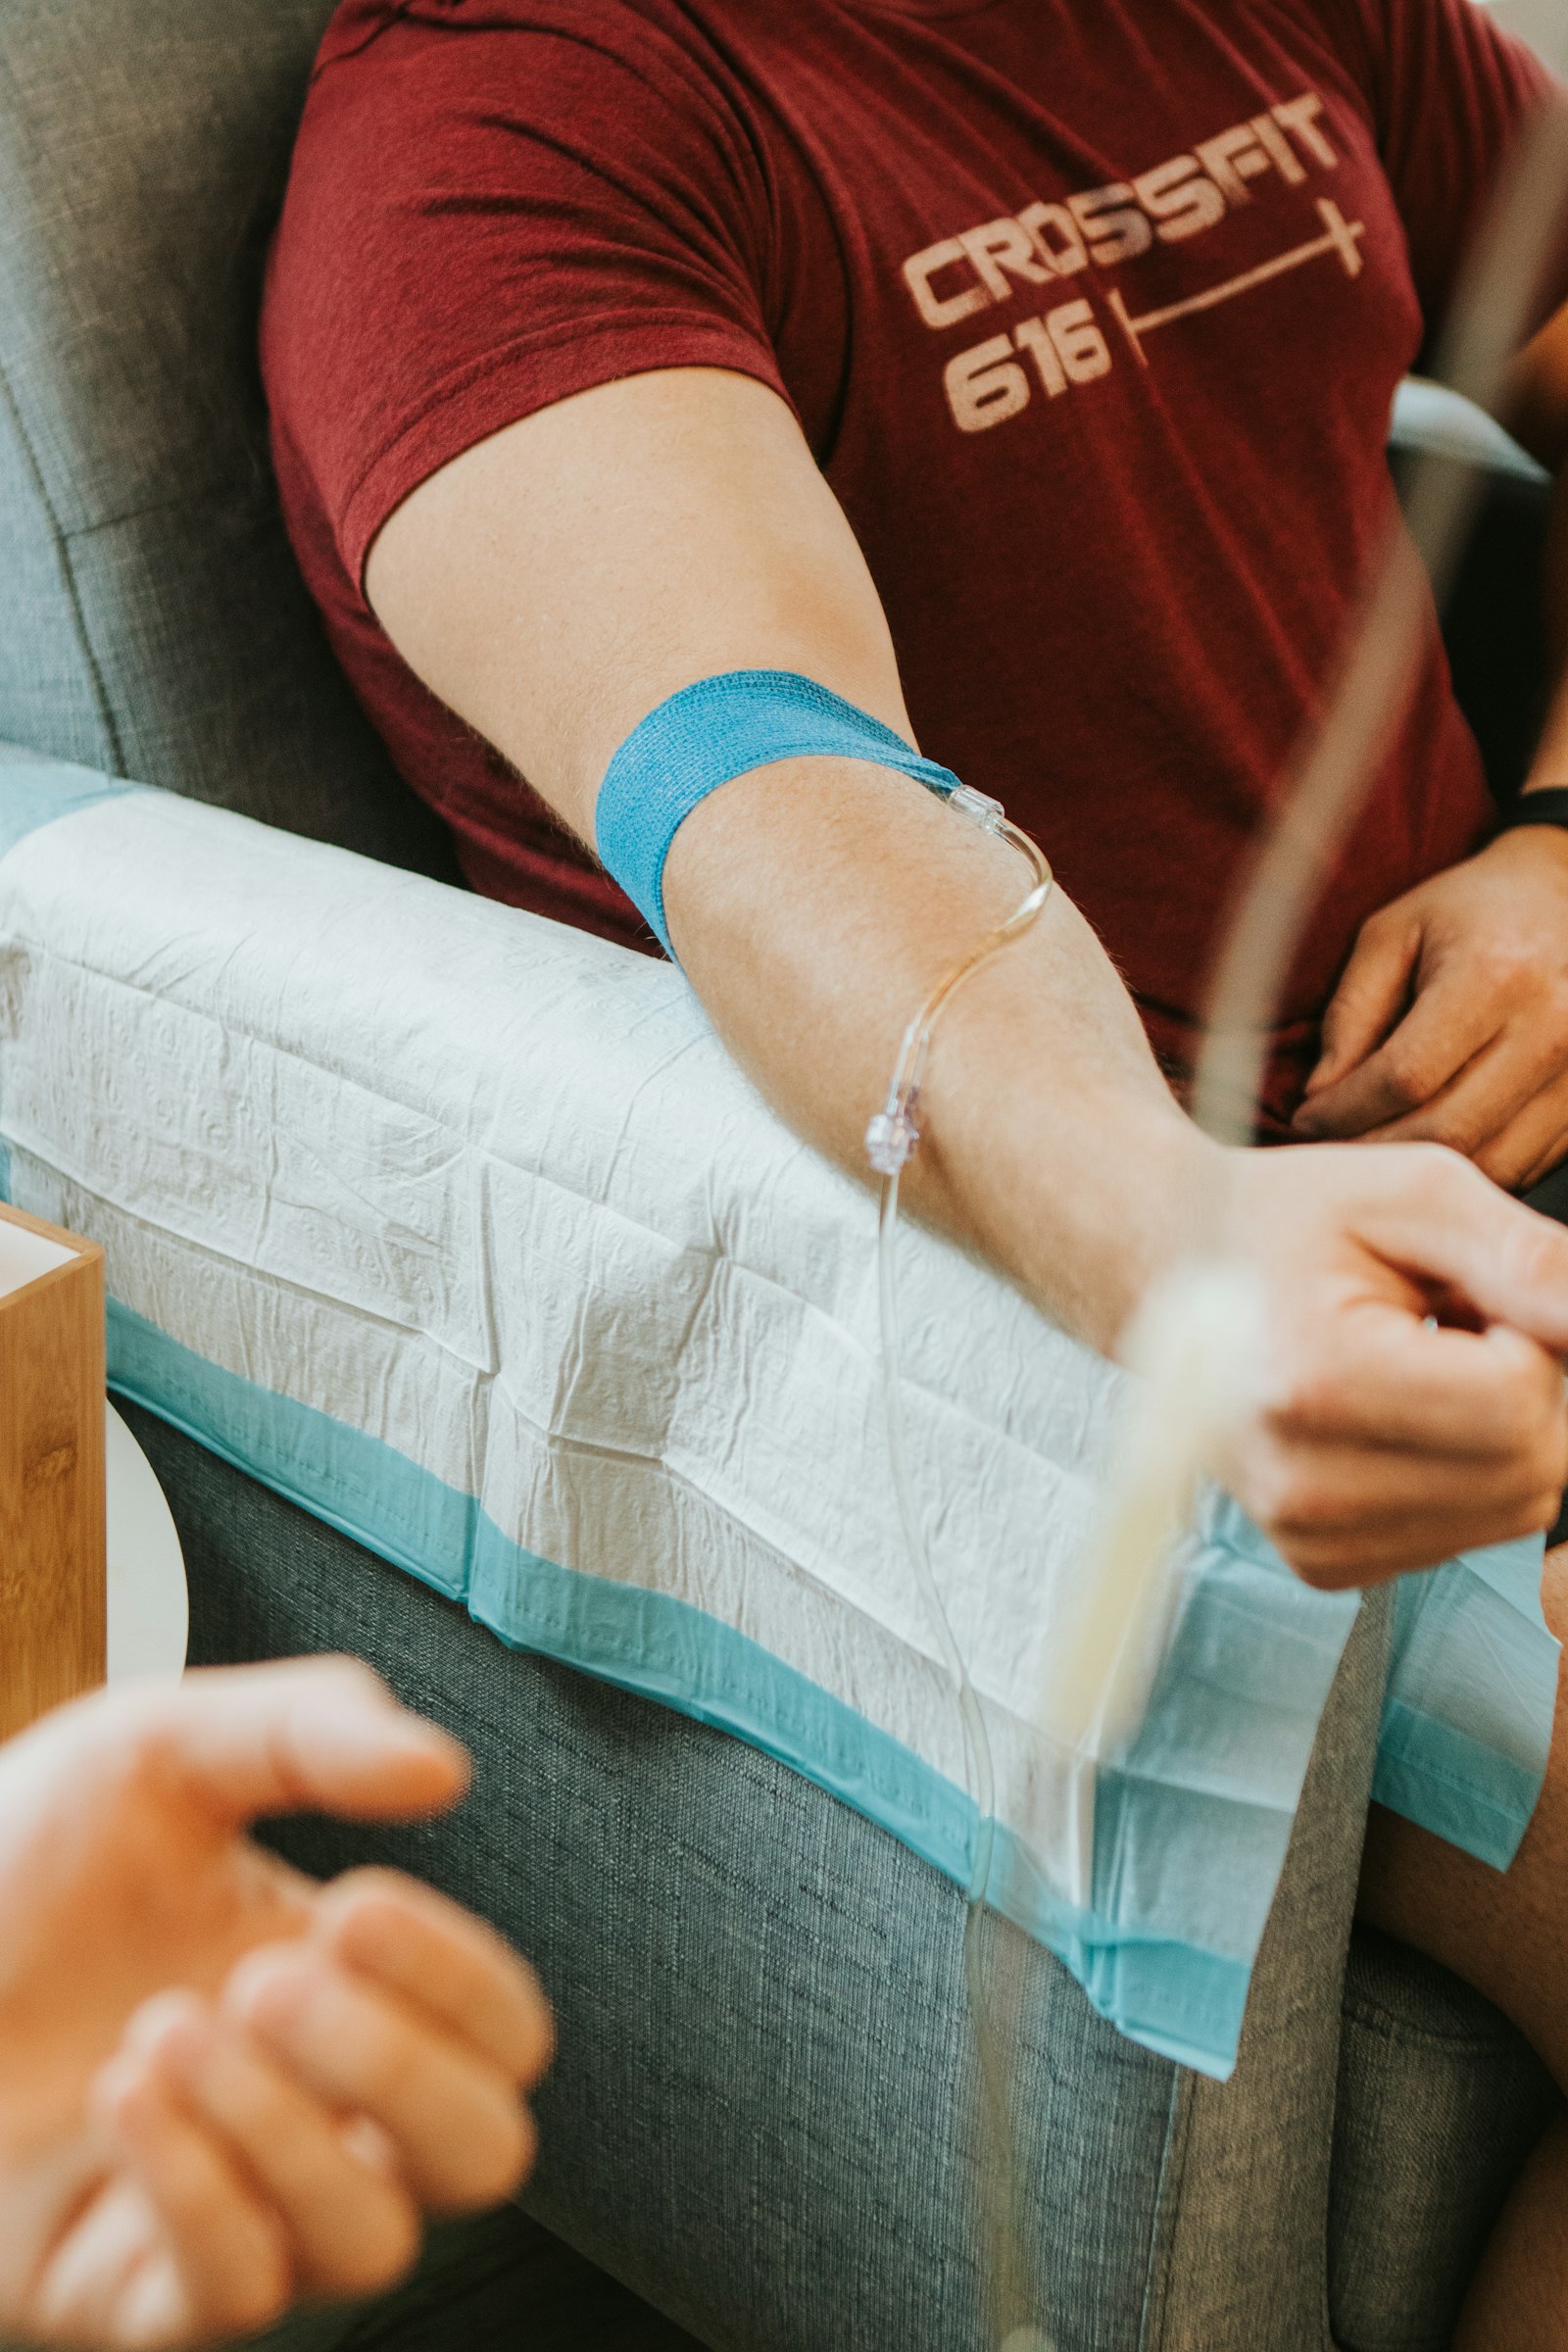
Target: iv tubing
899	1119
890	1142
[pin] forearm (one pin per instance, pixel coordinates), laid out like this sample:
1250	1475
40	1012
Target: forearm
813	906
558	582
684	531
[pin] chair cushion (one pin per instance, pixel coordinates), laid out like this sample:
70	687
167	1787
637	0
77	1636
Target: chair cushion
152	622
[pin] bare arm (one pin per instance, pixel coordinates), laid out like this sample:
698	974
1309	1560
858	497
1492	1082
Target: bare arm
561	579
706	540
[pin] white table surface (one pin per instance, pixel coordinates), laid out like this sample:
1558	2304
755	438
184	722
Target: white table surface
149	1610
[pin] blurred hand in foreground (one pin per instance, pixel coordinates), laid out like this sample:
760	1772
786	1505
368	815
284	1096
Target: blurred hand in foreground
225	2087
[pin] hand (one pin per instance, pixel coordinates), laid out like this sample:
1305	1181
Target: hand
1384	1441
179	2166
1450	1023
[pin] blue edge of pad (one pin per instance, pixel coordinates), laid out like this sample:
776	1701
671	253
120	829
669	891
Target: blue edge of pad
662	1648
1182	1999
1176	1998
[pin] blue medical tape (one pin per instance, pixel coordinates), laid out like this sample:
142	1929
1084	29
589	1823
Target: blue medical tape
706	736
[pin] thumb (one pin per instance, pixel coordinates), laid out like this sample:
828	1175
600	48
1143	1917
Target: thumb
1369	999
312	1734
1441	1222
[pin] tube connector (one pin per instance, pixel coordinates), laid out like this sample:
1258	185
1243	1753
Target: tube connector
979	808
891	1137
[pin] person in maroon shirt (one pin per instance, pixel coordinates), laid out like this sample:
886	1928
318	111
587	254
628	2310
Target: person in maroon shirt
1020	369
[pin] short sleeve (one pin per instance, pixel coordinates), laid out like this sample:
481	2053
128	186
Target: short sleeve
492	208
1450	95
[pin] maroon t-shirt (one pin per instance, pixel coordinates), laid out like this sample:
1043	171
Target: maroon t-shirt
1092	312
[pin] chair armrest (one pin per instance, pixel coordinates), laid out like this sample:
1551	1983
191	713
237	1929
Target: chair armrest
461	1228
488	1192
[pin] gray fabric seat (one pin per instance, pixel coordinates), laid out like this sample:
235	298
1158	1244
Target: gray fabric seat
152	620
152	624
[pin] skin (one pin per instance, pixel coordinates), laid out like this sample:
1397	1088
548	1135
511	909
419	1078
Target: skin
1450	1021
561	579
336	2061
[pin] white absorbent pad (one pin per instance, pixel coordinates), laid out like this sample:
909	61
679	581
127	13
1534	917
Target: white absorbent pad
460	1228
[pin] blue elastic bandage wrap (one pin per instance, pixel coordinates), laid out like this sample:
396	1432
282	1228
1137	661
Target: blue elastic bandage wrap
708	734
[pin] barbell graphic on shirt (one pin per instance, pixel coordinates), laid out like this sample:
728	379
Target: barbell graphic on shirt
988	383
1343	237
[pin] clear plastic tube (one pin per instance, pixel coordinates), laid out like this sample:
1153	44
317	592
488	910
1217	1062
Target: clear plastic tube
890	1143
891	1140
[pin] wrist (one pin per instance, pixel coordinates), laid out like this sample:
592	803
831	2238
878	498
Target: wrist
1091	1241
1531	825
1193	1197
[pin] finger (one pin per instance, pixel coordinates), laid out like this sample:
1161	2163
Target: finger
1448	1024
216	2264
95	2286
1313	1489
1373	990
437	1956
1516	1075
312	1734
1390	1381
1337	1561
1530	1141
1319	1490
1541	1168
351	2228
1441	1221
462	2136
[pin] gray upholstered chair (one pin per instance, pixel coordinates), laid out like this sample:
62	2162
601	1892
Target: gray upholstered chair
752	2121
154	623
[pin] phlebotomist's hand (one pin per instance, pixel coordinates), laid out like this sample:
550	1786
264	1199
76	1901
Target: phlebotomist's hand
1413	1402
1450	1023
